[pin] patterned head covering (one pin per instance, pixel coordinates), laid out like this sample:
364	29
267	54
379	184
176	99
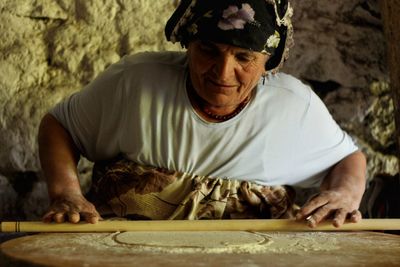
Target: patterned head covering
257	25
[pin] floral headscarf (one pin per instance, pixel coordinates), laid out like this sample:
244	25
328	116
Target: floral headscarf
258	25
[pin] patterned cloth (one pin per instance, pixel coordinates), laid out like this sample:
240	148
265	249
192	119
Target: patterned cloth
126	189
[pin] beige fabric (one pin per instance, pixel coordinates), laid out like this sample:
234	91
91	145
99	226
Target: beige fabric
133	191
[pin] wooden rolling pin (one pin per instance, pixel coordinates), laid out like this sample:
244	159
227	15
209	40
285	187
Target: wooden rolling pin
200	225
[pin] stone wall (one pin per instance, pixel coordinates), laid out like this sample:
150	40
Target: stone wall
51	48
340	51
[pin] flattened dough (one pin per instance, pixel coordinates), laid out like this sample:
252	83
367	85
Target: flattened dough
187	239
327	249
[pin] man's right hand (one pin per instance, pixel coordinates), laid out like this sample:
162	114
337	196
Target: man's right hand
59	157
71	207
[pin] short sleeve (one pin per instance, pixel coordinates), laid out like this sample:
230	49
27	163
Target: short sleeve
93	115
322	144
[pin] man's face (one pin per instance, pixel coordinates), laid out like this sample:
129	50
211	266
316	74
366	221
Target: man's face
224	75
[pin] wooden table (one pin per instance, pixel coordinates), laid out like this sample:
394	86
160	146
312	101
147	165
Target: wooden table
362	248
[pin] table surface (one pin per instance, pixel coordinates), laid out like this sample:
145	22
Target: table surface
350	249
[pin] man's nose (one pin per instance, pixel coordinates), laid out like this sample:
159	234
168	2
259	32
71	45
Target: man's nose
224	68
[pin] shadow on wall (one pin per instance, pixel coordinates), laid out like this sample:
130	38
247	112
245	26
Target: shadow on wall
23	197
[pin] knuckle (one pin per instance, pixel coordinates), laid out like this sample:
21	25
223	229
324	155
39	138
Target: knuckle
326	208
313	201
340	216
317	216
342	211
58	217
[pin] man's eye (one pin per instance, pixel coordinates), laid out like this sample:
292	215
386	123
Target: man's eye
208	49
244	58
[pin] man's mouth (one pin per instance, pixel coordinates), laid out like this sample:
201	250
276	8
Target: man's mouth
222	84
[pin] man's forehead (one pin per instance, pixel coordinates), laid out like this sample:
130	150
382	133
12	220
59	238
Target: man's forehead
222	46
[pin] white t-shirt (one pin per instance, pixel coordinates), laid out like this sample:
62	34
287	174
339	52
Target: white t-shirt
139	107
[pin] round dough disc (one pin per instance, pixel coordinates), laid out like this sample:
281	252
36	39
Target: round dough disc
189	239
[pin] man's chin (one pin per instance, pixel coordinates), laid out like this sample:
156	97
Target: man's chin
220	101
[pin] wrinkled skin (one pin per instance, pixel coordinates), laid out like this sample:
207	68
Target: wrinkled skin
340	194
330	204
72	207
224	75
59	157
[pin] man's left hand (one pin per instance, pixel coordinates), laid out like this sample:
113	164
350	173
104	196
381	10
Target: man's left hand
330	204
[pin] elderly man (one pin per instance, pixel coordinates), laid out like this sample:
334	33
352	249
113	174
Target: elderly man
215	132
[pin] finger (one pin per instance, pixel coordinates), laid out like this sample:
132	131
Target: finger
74	217
59	217
312	205
48	217
319	215
340	217
311	221
91	217
355	216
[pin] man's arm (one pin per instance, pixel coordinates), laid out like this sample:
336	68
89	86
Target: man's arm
340	193
59	157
